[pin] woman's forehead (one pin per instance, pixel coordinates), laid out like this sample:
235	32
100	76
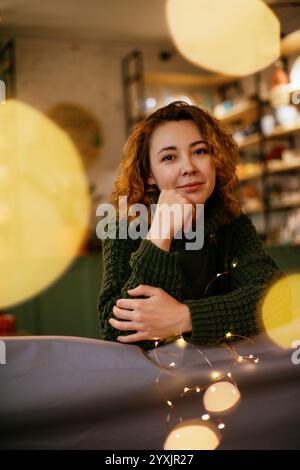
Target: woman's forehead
173	132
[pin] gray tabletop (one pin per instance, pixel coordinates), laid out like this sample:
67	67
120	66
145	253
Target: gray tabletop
62	392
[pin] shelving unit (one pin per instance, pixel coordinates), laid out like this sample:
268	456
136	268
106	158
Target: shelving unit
247	109
133	88
278	132
271	169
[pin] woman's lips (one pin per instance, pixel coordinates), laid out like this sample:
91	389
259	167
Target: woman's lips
191	189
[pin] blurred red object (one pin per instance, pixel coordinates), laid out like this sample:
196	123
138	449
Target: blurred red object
7	324
275	153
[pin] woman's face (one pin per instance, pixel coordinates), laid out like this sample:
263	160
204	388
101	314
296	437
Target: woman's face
179	155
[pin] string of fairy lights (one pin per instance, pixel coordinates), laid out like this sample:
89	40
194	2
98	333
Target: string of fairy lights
280	311
221	395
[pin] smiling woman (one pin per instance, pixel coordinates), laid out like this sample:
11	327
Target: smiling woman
187	165
153	289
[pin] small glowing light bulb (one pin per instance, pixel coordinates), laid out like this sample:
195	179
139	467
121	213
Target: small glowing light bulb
240	358
186	389
221	426
228	335
181	343
169	403
256	360
215	375
172	364
229	374
198	389
251	356
205	417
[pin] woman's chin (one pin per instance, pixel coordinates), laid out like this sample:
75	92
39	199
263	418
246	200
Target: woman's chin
197	200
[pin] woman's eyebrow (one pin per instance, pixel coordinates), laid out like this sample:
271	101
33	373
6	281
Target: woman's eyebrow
198	142
172	147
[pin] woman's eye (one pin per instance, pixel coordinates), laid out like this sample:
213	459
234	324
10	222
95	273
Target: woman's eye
201	151
167	156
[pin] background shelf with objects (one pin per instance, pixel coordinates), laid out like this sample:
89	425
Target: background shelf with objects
263	113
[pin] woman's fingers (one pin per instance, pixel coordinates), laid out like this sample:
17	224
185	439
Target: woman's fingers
164	226
123	313
130	304
131	338
124	325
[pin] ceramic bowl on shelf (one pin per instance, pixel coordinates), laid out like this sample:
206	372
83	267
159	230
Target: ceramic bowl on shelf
267	123
287	115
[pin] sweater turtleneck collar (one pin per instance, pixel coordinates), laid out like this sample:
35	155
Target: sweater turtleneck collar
213	212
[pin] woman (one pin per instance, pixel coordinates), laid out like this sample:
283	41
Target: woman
152	287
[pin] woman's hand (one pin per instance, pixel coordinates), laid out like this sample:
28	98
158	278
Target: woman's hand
158	316
163	226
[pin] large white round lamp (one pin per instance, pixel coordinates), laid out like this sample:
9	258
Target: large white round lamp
232	37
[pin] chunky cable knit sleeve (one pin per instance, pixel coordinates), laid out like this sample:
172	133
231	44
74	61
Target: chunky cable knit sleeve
126	264
239	312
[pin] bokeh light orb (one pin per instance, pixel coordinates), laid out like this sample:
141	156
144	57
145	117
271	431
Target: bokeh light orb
221	396
232	37
193	435
44	202
181	343
281	311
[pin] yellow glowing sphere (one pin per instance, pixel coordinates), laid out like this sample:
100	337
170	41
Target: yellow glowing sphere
221	396
281	311
44	202
193	435
232	37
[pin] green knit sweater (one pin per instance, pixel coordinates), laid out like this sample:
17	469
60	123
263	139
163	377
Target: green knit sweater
222	284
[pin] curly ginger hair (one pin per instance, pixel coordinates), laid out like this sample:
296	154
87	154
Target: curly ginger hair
134	169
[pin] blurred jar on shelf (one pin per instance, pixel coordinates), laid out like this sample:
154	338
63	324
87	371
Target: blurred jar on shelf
287	115
290	232
267	123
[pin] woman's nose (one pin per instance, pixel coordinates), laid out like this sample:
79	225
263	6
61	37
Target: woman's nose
187	166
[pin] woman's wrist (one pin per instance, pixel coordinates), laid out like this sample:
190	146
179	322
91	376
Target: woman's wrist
186	324
162	244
